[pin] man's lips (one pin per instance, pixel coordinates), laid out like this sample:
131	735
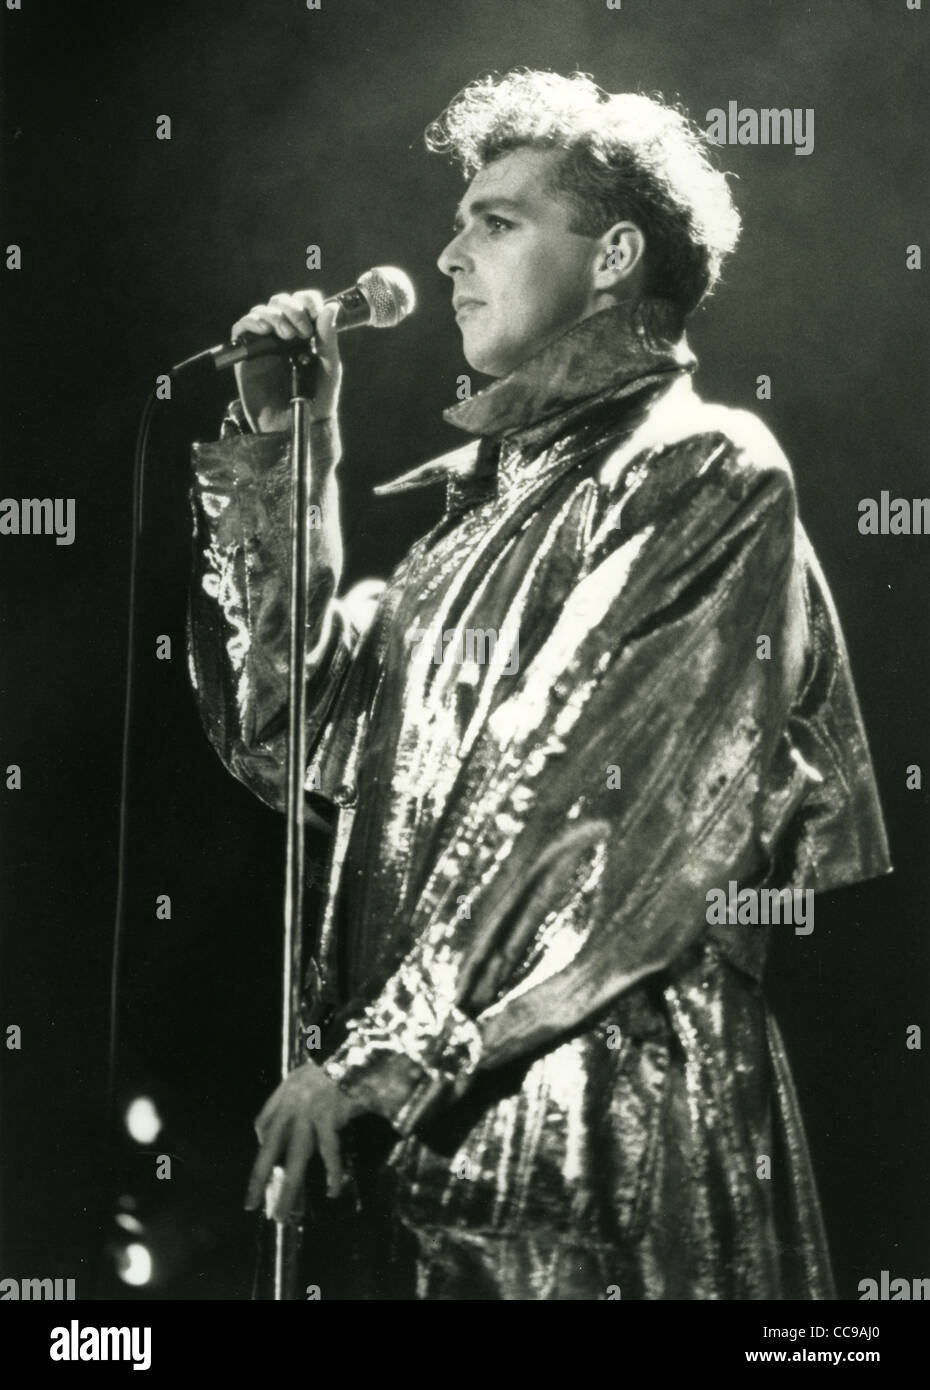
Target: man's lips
460	305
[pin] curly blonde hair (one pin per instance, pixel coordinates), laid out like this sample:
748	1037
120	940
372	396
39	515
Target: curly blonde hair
624	156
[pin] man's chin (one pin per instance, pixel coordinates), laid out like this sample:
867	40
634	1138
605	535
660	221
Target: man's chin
486	362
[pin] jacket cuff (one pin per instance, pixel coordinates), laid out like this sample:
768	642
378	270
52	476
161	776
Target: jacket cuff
235	421
407	1054
325	440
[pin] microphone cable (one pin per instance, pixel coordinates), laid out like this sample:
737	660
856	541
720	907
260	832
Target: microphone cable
108	1194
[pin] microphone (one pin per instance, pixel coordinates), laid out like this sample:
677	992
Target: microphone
380	298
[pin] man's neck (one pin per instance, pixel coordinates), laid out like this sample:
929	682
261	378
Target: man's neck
601	352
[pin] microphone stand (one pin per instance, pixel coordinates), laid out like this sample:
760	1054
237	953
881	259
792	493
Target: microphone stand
303	361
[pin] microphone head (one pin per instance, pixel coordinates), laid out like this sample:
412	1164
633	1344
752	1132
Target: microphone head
390	294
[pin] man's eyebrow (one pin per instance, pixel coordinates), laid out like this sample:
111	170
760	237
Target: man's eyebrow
481	205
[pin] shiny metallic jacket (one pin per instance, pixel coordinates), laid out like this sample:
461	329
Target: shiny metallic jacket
549	734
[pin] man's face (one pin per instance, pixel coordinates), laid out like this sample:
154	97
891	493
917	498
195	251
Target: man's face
513	254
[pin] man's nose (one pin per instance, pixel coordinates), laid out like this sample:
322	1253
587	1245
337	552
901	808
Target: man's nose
452	257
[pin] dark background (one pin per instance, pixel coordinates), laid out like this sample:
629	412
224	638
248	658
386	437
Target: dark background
292	127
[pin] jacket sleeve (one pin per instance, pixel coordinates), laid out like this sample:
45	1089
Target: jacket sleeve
641	759
238	608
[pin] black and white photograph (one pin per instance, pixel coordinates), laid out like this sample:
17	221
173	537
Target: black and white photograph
463	824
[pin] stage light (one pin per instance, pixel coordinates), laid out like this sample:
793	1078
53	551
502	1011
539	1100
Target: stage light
134	1264
143	1120
129	1223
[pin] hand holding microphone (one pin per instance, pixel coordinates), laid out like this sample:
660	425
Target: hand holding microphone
380	298
264	382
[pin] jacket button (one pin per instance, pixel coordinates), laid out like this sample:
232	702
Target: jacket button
345	794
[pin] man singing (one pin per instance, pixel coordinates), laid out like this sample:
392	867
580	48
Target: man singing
586	1093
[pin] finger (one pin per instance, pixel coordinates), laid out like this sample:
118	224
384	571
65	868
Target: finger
323	315
272	1190
331	1154
327	335
268	1111
255	321
265	319
300	1150
249	323
290	307
310	301
296	310
279	320
263	1165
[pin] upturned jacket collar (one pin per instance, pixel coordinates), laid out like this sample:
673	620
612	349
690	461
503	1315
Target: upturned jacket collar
595	360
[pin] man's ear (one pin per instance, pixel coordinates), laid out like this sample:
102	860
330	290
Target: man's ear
619	256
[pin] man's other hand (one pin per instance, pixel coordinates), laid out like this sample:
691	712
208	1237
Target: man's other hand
302	1117
264	382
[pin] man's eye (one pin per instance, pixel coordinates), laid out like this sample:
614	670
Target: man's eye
496	223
